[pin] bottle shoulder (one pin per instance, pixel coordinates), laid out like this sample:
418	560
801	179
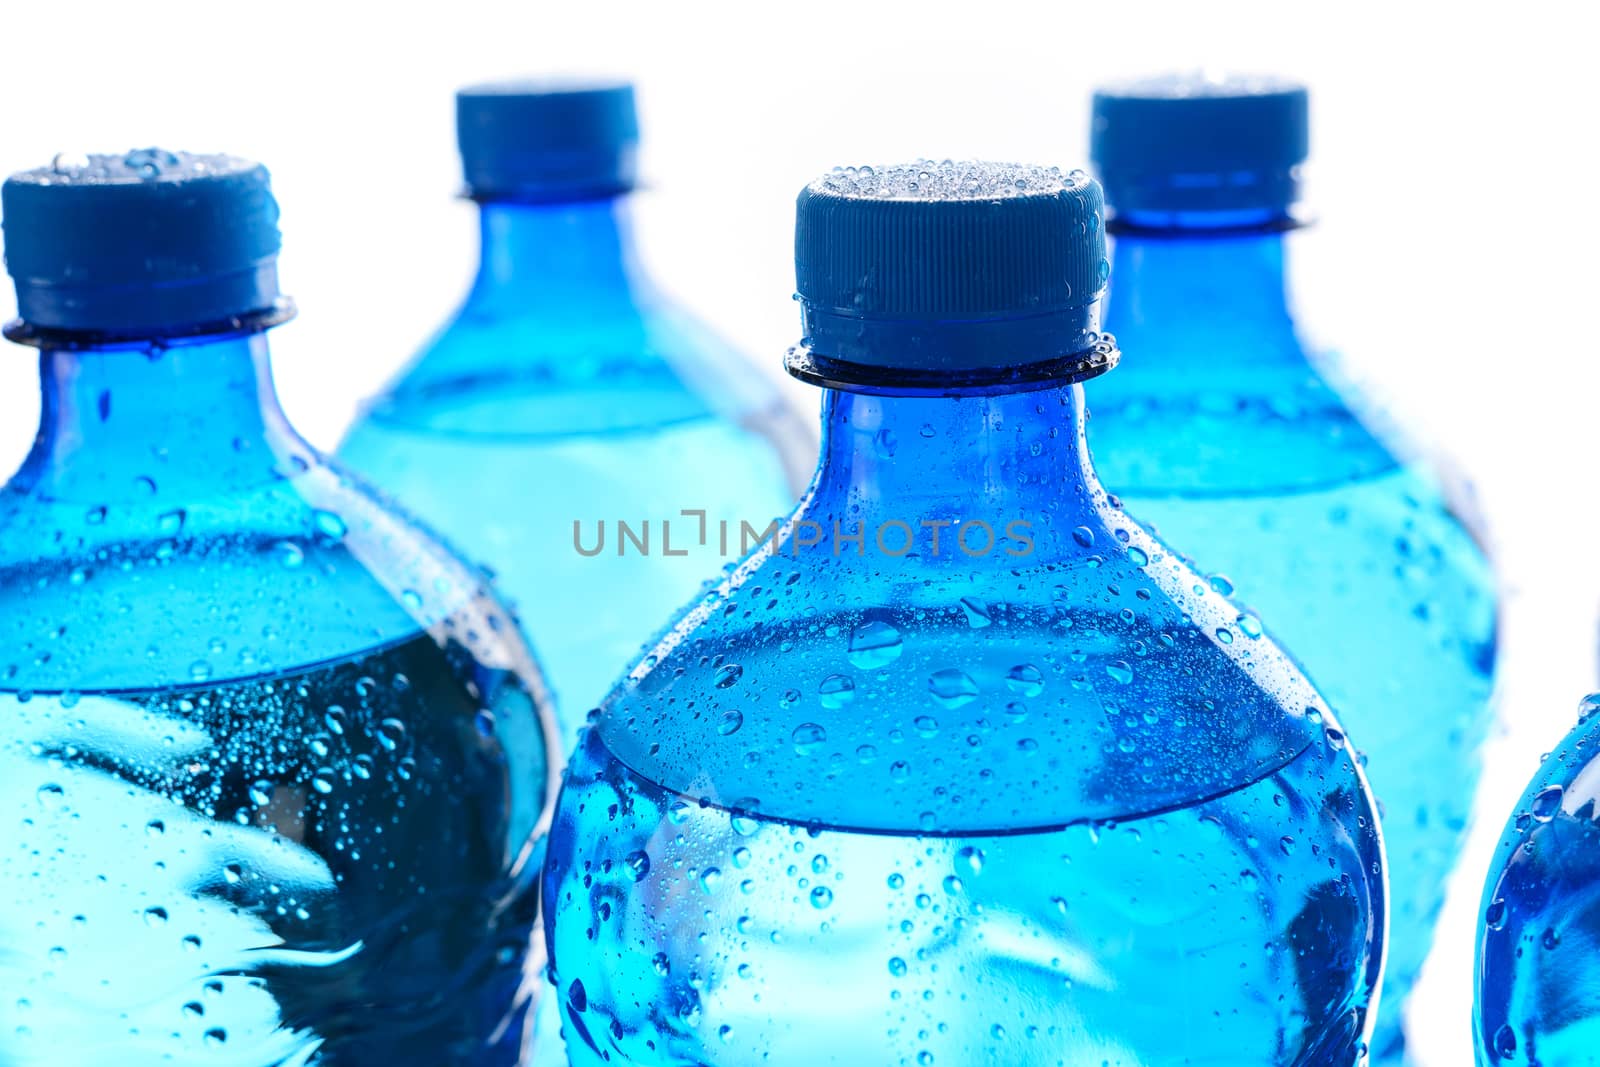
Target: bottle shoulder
303	567
498	371
954	695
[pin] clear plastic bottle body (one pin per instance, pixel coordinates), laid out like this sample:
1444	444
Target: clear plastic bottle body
1231	441
280	767
1540	917
567	397
1038	797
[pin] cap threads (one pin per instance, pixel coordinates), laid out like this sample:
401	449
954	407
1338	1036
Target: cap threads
146	243
949	267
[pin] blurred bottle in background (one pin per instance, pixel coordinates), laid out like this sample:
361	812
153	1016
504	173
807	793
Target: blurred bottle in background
1538	973
568	397
1236	440
276	766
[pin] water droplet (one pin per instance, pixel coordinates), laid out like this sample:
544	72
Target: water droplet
727	675
1248	625
1138	556
821	897
927	725
149	163
51	795
577	996
1494	916
873	645
1335	737
1505	1041
69	162
232	873
155	916
897	966
971	858
322	780
289	554
390	733
1120	671
194	1009
411	599
637	864
977	612
662	965
155	827
952	688
836	691
1026	679
807	736
710	879
216	1036
884	443
1083	535
329	523
1546	803
1221	584
730	722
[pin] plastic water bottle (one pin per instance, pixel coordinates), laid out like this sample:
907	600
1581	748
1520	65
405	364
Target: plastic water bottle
274	765
1238	444
962	766
570	427
1539	939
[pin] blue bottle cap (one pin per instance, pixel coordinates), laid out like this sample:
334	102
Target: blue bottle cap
147	244
545	141
1192	143
940	269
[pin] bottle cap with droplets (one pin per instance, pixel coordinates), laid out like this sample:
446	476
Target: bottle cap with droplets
930	272
1197	143
547	141
146	244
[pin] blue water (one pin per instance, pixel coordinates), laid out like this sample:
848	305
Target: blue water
1539	942
1052	803
274	764
1218	431
567	391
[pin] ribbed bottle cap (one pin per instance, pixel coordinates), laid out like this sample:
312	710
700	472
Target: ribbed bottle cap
950	267
1187	142
145	244
545	141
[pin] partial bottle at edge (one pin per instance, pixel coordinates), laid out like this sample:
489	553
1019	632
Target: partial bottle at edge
1237	441
1538	992
274	765
964	767
568	396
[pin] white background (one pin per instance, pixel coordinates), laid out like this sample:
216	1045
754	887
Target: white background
1452	174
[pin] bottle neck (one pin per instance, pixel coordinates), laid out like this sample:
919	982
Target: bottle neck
556	259
1169	288
124	424
1013	457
